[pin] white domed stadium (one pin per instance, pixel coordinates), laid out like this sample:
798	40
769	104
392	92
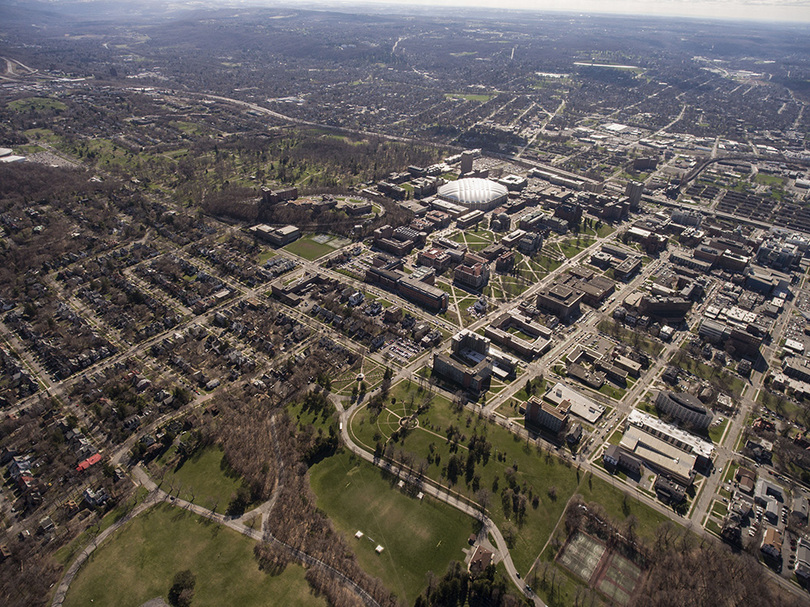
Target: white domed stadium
474	193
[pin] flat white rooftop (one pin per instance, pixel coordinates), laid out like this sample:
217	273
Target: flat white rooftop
658	453
581	405
677	437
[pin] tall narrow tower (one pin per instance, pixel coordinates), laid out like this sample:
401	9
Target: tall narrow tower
633	191
466	163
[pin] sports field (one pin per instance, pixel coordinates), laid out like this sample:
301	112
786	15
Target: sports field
582	555
619	579
605	570
313	246
417	536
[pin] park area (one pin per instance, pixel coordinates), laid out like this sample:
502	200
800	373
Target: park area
203	478
140	560
417	536
526	487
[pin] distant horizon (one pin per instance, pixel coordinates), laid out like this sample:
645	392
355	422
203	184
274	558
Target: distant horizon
749	11
771	11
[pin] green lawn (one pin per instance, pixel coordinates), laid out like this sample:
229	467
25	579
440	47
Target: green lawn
36	104
720	509
535	473
482	97
308	248
139	561
204	479
545	263
714	527
716	432
572	247
417	536
730	472
779	404
612	391
265	255
771	180
66	553
605	230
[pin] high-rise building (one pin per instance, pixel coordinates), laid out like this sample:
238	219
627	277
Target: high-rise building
633	191
466	162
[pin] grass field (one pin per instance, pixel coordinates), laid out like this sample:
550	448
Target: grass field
771	180
67	553
619	506
265	256
36	104
417	536
545	263
204	479
139	561
537	474
482	97
572	247
612	391
308	248
605	230
716	431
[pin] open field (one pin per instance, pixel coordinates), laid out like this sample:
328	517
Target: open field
571	247
417	536
36	104
140	560
482	97
204	479
716	431
309	248
67	553
544	480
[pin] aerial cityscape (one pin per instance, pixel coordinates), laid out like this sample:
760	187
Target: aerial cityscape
386	305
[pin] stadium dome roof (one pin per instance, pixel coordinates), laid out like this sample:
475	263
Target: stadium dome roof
473	192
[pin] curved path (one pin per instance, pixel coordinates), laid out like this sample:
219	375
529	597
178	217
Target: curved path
158	495
435	490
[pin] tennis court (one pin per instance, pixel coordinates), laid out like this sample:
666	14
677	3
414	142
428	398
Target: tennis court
581	555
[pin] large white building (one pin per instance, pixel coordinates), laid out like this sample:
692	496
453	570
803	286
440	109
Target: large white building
474	193
580	405
664	447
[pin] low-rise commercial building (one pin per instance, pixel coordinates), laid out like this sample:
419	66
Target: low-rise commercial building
560	300
278	237
578	404
499	332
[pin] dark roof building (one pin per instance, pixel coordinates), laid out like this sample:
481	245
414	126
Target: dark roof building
684	408
560	300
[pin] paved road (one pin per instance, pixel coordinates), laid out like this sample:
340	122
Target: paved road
437	491
157	495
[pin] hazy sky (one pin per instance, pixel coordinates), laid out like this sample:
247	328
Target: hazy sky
757	10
